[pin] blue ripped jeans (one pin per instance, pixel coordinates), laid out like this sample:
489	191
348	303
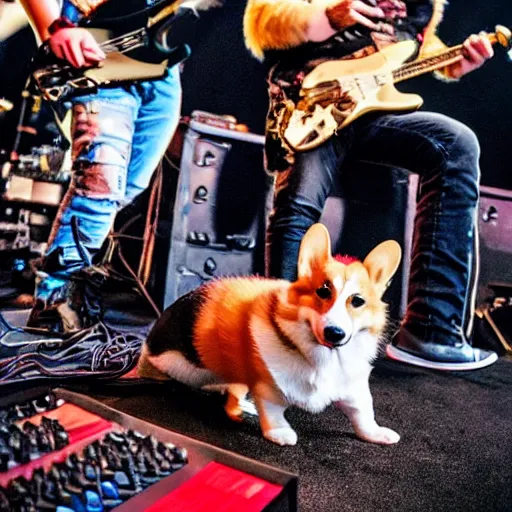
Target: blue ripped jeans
445	155
118	137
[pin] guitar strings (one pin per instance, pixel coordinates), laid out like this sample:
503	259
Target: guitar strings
432	61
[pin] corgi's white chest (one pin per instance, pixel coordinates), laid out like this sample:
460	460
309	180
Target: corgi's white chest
314	376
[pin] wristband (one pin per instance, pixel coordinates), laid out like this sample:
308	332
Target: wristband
60	23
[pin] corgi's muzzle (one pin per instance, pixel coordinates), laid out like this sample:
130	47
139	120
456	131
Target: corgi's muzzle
335	336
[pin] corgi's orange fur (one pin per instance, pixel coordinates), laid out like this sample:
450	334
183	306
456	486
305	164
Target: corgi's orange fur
309	343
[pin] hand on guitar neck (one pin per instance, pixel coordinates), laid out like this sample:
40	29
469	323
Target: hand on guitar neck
477	49
337	92
77	46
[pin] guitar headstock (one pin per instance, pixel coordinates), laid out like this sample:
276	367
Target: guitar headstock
504	36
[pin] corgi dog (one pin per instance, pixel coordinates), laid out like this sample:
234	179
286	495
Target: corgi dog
308	343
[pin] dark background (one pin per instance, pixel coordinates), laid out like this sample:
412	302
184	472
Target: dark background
483	100
223	78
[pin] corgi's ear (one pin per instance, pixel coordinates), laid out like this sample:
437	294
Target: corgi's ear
315	250
382	263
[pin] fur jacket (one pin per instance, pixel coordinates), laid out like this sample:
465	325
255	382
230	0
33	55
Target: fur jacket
271	25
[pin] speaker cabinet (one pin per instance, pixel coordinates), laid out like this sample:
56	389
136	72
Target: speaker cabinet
220	209
495	225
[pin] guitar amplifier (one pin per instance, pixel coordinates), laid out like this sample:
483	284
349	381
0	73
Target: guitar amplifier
495	224
220	210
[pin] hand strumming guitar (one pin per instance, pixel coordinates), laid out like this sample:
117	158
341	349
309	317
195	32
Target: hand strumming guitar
77	46
477	50
350	12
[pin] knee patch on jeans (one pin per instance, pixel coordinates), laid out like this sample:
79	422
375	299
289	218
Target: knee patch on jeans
101	150
100	180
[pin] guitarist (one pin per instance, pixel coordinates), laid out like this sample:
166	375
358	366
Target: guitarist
296	35
118	137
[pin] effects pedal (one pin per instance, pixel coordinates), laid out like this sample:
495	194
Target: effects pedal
63	451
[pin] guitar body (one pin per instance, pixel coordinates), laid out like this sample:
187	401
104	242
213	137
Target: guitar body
58	80
122	67
366	86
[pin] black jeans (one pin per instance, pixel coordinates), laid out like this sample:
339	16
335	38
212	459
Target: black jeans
445	155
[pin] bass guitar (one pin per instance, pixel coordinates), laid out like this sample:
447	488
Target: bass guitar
164	32
337	92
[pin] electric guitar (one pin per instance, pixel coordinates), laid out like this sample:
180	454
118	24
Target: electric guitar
163	31
337	92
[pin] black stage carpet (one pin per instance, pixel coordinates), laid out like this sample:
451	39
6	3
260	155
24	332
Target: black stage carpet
455	452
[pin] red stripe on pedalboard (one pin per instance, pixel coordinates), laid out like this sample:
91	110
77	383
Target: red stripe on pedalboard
219	488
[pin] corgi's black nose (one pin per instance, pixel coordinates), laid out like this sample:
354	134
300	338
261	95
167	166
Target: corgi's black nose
334	335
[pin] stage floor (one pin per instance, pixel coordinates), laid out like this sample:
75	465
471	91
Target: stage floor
454	454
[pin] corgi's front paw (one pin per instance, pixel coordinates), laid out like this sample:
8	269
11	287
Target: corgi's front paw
235	414
381	435
282	436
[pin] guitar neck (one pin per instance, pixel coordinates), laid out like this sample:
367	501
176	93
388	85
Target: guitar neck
434	62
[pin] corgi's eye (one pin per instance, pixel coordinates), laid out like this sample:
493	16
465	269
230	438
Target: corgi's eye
357	301
324	292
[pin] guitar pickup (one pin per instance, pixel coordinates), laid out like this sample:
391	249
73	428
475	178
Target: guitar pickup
382	79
